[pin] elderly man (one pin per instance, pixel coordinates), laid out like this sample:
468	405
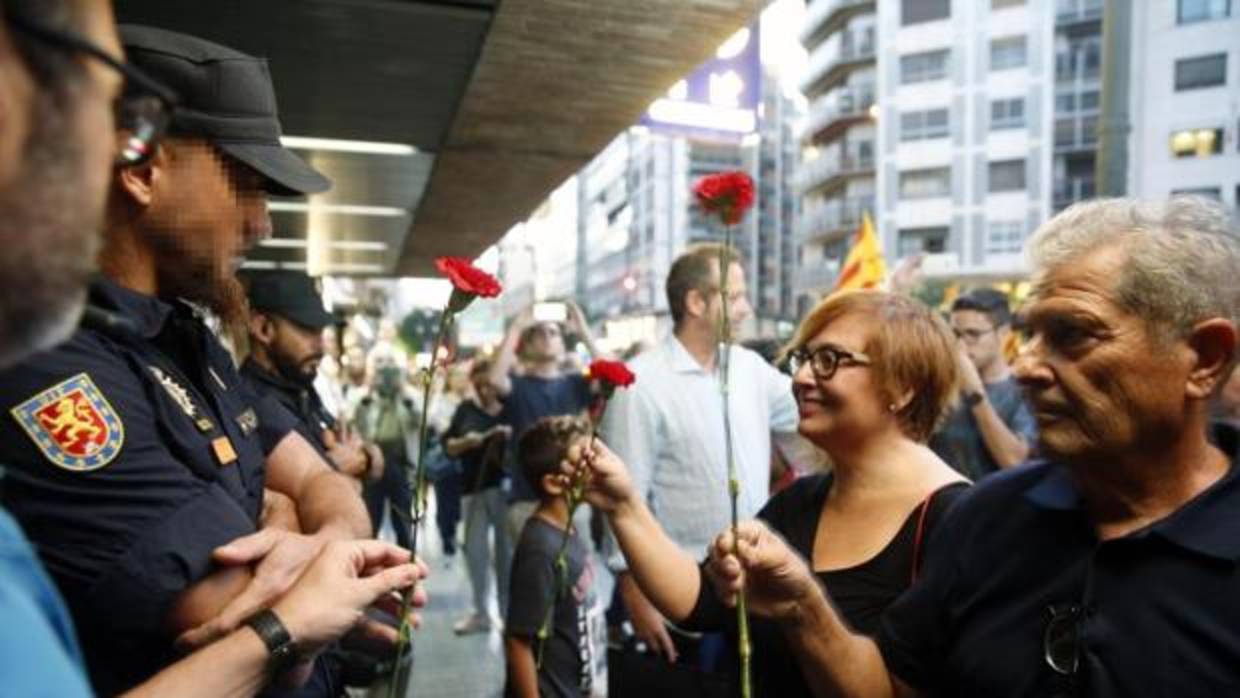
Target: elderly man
138	461
59	79
1111	567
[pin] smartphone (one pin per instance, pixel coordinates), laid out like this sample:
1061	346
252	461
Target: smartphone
550	312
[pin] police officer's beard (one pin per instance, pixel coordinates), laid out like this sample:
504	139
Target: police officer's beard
181	275
295	371
49	234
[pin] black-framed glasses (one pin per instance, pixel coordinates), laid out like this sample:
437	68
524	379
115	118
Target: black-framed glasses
970	335
143	110
1061	642
825	360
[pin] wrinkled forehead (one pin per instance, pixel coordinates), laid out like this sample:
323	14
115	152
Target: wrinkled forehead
1098	270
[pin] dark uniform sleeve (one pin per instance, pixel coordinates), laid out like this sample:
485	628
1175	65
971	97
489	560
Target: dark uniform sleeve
125	532
274	420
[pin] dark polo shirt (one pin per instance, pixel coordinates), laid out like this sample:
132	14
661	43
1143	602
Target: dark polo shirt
1161	606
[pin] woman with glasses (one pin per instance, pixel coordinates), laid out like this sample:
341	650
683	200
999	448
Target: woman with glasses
873	375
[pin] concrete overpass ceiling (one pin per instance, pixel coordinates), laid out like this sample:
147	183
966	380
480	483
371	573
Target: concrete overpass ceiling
489	106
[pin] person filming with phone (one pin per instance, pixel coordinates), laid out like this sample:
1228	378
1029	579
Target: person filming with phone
530	377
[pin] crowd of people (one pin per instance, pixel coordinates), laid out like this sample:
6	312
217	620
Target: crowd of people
199	464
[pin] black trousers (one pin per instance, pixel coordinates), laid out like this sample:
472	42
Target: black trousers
394	492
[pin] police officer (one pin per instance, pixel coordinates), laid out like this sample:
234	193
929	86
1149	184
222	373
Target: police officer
286	323
137	458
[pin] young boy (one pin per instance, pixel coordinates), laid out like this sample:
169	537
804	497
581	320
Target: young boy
568	654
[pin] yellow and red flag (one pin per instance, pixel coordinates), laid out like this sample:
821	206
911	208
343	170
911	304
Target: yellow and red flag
864	268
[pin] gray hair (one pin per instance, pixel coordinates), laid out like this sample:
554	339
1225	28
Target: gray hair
1183	256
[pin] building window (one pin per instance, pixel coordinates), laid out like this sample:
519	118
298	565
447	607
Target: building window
1197	142
925	184
923	125
1007	175
913	241
1000	4
1007	53
1080	59
1203	71
1007	113
1215	193
1189	11
917	11
1072	101
1004	237
922	67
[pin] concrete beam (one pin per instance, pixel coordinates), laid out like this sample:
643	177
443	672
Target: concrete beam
556	81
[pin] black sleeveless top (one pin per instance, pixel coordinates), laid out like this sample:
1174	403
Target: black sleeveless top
860	593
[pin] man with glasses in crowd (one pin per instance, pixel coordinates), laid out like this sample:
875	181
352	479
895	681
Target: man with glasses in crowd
137	460
991	427
1110	569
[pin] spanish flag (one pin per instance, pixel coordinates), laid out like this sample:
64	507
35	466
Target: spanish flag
864	267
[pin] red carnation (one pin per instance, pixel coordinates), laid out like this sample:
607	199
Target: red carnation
727	194
612	373
468	278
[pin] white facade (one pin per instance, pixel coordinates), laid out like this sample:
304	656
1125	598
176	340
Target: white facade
1186	99
964	132
837	171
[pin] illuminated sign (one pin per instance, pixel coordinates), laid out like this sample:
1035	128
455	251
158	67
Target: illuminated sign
720	98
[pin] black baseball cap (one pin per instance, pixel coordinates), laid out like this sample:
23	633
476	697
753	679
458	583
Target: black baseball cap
226	97
288	294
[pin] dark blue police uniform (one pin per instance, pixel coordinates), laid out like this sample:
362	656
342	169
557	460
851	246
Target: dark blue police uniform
303	402
1153	613
132	453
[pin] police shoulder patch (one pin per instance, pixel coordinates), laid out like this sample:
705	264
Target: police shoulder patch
73	424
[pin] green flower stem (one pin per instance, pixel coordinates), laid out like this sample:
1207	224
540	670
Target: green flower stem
575	495
416	473
724	359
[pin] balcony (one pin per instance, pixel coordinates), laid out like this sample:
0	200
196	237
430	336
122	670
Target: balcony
829	66
1079	78
835	166
825	17
832	114
1075	11
834	218
1071	190
1076	134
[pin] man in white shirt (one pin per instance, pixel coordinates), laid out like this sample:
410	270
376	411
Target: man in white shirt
669	428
